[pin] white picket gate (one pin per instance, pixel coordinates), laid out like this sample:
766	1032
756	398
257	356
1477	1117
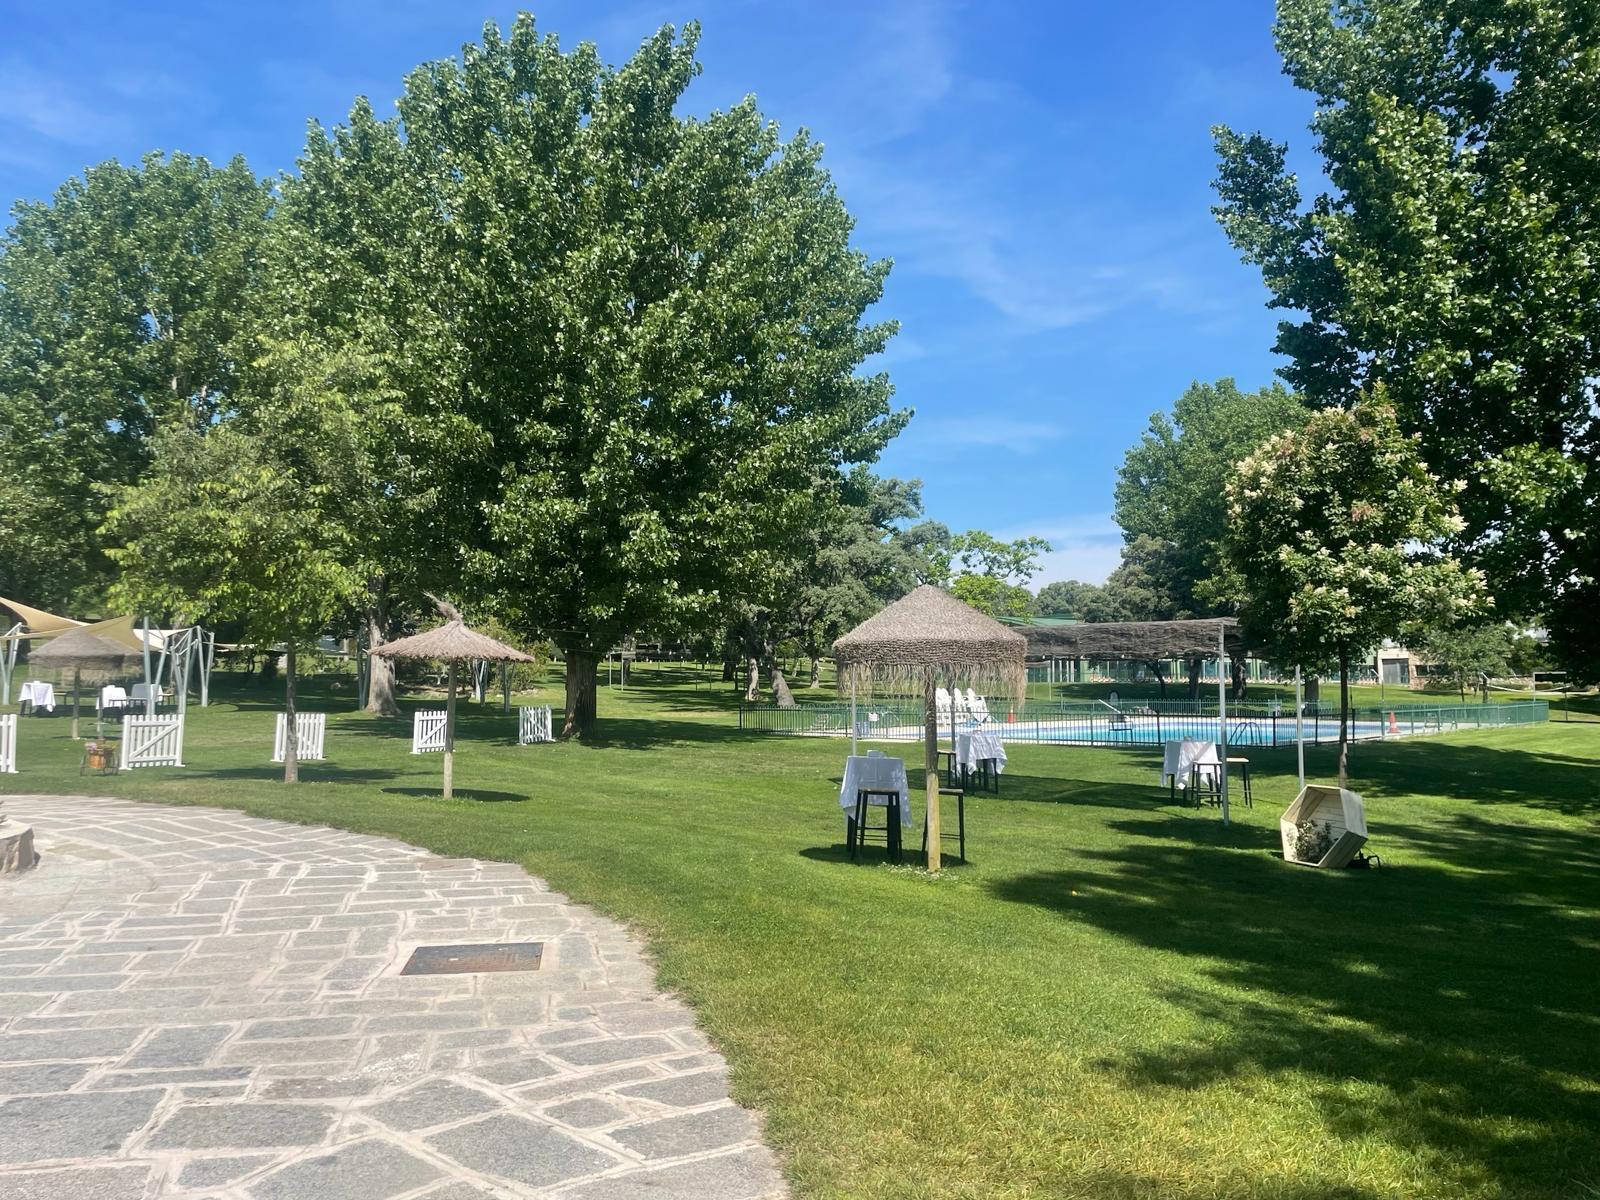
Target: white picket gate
427	731
309	728
151	742
8	744
533	725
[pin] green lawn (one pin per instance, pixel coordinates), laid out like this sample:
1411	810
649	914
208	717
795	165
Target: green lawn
1116	997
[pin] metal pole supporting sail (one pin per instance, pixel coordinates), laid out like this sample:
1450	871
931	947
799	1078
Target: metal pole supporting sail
853	747
1222	718
1299	729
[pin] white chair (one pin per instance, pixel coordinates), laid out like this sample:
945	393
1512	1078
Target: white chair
978	707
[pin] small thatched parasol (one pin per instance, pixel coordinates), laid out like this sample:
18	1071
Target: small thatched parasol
86	654
454	643
928	637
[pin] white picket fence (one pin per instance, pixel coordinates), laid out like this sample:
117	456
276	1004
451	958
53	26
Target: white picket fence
8	744
310	729
427	731
151	742
533	725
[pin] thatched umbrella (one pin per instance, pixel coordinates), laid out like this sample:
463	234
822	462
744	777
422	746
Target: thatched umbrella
454	643
925	638
89	654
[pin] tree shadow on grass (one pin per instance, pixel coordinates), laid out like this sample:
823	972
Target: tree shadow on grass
1483	774
1445	1010
310	772
476	795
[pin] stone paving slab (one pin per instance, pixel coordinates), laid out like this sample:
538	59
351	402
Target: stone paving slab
199	1004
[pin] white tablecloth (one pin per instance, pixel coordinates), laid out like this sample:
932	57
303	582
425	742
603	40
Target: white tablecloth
876	771
39	694
1178	757
979	744
112	694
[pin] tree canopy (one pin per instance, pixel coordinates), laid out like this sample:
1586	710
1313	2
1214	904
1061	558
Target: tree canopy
1452	260
1333	544
1171	501
648	327
121	302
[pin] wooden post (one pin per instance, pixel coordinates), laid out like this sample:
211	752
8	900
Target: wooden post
74	703
450	730
930	766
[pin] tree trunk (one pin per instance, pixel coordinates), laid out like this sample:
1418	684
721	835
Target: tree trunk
780	690
291	734
816	671
1194	679
1236	668
1161	679
752	687
581	668
624	665
380	671
1344	717
730	668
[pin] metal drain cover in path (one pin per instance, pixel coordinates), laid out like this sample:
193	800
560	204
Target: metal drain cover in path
466	960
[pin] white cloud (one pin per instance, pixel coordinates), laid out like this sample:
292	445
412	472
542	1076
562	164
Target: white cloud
44	105
1086	547
1019	437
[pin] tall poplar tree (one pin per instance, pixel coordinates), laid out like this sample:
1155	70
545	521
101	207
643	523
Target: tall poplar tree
1453	260
640	332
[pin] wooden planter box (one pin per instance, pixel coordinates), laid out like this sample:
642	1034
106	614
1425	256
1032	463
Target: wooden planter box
1340	810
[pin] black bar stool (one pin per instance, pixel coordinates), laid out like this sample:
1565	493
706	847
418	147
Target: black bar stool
859	827
1244	775
961	823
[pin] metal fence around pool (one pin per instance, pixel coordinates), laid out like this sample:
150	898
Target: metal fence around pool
1078	724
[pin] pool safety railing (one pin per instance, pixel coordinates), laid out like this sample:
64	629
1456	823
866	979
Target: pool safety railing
1148	723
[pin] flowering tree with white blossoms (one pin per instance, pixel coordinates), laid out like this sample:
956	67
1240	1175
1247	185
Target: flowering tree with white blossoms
1333	544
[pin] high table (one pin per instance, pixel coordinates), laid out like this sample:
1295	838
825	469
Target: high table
879	774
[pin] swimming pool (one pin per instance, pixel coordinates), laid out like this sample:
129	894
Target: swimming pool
1146	730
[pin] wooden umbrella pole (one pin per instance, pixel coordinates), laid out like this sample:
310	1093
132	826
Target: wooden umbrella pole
449	730
930	766
74	703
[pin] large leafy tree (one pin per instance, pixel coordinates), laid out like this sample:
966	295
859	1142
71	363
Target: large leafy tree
1075	598
121	301
1465	657
258	520
1333	544
1171	500
994	574
855	563
1452	259
342	268
647	326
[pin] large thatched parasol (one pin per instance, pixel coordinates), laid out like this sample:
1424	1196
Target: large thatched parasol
453	643
87	655
926	638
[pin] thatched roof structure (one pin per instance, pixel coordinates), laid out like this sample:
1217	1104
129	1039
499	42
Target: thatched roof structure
86	652
451	641
929	637
1136	640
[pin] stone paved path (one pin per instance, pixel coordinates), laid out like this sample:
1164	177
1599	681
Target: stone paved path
197	1003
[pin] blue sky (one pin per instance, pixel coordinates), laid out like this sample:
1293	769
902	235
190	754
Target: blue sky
1040	174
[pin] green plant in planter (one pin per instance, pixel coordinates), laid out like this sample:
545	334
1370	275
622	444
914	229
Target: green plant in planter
1312	840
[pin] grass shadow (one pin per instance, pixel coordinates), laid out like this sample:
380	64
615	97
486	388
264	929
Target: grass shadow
477	795
1483	1066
